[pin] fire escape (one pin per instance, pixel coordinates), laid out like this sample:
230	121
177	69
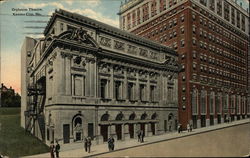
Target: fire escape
35	108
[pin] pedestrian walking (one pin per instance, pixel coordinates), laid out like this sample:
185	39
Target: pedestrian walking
88	144
85	144
111	144
191	127
51	149
179	128
142	136
57	149
188	127
139	135
170	126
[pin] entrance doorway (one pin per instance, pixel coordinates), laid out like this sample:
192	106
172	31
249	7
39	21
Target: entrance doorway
211	120
104	132
131	130
143	127
165	125
203	120
78	136
194	118
118	130
153	128
219	119
66	132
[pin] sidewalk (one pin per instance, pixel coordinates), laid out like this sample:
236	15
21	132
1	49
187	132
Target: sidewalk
121	145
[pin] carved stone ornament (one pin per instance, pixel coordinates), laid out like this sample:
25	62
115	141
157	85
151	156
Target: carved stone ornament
105	41
132	49
79	35
118	69
104	68
131	72
170	61
153	55
119	45
143	52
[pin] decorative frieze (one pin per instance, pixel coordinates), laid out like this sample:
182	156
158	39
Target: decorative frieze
143	52
132	49
104	41
119	45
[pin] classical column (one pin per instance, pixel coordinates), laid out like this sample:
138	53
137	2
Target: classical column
157	7
125	86
98	136
148	89
125	22
112	131
156	128
150	132
141	15
149	9
126	134
230	10
59	75
136	17
68	75
137	90
112	96
135	130
146	129
215	6
167	4
222	9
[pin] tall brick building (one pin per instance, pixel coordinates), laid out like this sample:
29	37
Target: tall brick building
211	37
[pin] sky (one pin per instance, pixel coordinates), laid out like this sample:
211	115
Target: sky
13	28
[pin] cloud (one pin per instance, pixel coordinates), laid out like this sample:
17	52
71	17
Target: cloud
95	15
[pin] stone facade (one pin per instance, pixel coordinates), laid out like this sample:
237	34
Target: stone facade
86	78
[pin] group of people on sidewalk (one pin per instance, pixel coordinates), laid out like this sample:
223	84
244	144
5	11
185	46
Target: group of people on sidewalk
189	127
87	144
54	149
140	135
111	141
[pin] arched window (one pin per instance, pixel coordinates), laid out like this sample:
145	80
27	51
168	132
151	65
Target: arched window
218	103
154	116
132	116
211	102
203	101
194	102
119	116
143	116
105	117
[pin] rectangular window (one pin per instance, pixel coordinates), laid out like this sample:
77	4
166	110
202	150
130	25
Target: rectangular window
118	90
78	85
131	91
104	91
142	94
152	93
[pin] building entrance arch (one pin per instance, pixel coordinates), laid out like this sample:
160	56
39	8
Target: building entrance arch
118	127
77	123
104	128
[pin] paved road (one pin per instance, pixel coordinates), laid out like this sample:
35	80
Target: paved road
229	142
229	139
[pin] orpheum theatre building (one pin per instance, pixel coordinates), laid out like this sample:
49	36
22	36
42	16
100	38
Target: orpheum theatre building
86	78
